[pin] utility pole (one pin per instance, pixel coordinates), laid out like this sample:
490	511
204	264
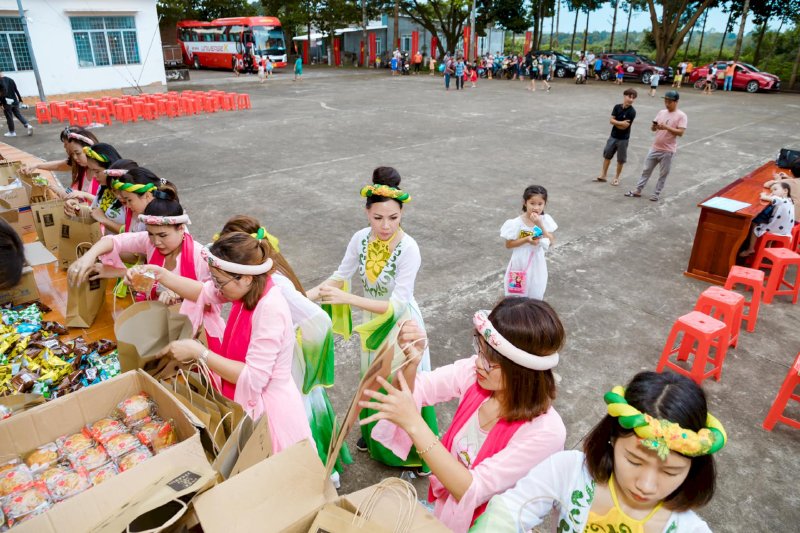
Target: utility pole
364	32
468	48
24	22
397	24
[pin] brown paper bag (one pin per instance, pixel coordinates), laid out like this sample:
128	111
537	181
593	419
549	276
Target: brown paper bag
84	303
143	330
229	454
334	519
47	220
76	231
8	171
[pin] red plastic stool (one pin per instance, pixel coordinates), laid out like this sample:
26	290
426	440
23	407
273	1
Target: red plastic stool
754	279
99	114
125	113
62	111
786	393
706	332
78	117
210	104
43	113
54	110
243	101
724	305
228	102
149	111
796	238
172	108
782	259
766	241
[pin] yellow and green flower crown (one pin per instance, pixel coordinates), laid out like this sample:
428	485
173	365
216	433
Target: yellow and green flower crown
662	435
384	190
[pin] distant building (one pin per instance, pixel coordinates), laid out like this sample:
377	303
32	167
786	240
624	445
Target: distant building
82	45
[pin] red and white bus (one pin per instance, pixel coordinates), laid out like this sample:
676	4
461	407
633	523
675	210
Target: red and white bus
222	43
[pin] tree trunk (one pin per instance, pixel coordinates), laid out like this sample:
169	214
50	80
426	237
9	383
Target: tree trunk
396	24
761	32
725	33
364	33
702	35
613	26
686	50
793	77
574	29
628	27
740	37
541	25
771	49
586	32
552	20
554	42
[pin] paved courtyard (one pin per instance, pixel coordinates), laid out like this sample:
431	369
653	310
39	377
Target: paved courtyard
299	158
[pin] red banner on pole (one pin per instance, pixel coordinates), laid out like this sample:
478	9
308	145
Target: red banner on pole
337	52
361	53
466	43
528	39
434	44
306	51
373	48
414	43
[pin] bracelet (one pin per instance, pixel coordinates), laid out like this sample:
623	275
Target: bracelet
429	448
204	356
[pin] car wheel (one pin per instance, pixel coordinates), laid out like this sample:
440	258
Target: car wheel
605	75
646	77
752	86
196	63
560	72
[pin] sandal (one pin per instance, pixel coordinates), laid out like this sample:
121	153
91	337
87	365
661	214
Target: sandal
632	194
615	182
654	198
600	179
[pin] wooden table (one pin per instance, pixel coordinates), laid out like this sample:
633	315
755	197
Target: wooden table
720	234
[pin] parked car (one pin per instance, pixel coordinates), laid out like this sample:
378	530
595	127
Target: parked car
565	67
636	66
745	77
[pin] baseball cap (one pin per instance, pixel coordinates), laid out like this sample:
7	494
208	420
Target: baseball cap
672	95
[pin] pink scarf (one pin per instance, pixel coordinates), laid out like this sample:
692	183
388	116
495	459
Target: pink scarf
496	440
236	339
186	268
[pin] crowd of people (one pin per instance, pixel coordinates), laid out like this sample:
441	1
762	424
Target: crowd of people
500	464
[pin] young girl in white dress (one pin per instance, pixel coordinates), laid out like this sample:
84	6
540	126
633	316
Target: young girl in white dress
529	236
781	221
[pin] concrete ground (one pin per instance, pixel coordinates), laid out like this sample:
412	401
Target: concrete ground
298	159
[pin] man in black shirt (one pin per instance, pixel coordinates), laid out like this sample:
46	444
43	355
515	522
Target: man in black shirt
10	99
621	119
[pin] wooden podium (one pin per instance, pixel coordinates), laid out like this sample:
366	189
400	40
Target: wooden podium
720	234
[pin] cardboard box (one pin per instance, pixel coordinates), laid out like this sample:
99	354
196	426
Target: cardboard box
176	471
15	195
9	170
26	290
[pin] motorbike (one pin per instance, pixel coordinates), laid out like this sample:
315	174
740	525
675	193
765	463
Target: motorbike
580	73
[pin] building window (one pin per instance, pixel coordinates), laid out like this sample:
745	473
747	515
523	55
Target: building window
406	43
101	41
378	46
14	52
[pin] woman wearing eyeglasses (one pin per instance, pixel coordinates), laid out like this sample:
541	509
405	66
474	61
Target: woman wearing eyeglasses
505	423
168	247
254	361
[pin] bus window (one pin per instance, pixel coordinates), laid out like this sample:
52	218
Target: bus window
269	41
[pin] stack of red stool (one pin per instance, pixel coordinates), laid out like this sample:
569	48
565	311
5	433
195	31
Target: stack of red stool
765	242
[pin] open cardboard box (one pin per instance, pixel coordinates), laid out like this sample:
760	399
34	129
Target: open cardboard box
26	290
176	471
286	492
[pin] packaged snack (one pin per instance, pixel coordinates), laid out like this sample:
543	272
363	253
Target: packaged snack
142	281
49	475
24	381
157	434
102	346
131	459
68	484
136	408
5	412
91	458
75	443
121	444
14	479
79	347
26	504
55	327
42	457
105	428
98	475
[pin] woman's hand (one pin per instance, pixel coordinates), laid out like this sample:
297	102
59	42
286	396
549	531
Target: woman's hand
167	297
184	351
27	170
99	270
81	270
72	206
333	295
397	405
99	215
313	294
412	340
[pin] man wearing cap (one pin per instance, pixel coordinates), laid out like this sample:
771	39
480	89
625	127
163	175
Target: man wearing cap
669	124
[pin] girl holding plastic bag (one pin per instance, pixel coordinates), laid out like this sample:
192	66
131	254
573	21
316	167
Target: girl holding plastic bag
387	261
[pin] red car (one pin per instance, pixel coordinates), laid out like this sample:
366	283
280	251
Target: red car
745	77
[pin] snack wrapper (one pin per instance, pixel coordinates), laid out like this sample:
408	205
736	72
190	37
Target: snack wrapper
134	409
133	458
157	434
121	444
105	428
26	504
68	483
99	475
75	443
42	457
91	458
15	479
142	281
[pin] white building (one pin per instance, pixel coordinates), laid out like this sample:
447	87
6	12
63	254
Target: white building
82	45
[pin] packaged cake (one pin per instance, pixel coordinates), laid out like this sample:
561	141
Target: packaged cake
134	409
133	458
42	457
15	478
91	458
121	444
75	443
26	504
68	483
99	475
105	428
157	434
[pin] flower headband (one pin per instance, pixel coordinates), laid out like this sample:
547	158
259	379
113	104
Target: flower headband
260	236
94	155
235	268
385	190
154	220
115	173
508	350
79	137
662	435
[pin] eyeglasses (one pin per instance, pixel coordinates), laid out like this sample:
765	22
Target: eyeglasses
485	364
221	286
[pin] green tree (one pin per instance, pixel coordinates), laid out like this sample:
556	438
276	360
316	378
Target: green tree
588	7
214	9
630	7
445	19
677	18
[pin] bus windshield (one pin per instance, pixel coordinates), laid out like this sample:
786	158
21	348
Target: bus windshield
269	41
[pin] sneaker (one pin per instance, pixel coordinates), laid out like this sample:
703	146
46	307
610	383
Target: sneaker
30	130
10	134
361	445
422	471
